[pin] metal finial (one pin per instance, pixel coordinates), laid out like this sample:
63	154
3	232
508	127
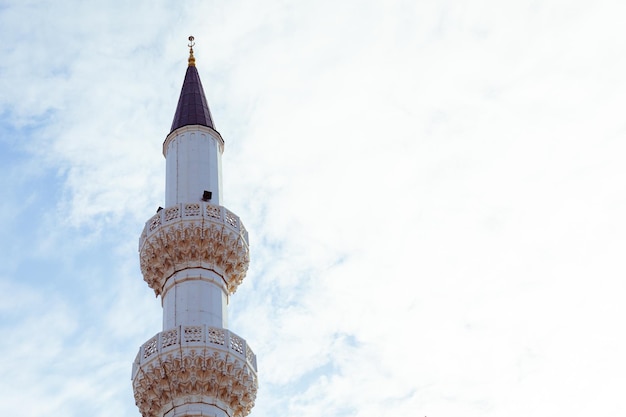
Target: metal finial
192	59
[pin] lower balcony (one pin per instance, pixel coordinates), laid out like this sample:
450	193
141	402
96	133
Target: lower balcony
199	365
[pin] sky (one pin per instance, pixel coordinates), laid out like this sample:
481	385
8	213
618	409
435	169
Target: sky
434	191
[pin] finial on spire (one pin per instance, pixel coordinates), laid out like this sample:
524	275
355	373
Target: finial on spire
192	59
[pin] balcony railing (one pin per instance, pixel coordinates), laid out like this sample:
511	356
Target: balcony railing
192	211
195	336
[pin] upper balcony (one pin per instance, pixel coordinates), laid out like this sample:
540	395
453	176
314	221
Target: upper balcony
194	235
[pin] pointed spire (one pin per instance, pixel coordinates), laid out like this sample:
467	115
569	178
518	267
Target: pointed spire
192	106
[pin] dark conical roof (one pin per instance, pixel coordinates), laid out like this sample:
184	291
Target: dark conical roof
192	106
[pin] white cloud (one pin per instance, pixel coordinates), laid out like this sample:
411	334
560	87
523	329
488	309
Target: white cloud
434	194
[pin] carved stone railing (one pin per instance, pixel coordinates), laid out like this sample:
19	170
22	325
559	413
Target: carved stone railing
191	364
195	336
194	235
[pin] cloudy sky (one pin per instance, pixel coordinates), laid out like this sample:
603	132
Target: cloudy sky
434	189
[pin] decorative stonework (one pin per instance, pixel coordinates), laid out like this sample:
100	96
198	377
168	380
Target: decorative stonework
191	364
194	235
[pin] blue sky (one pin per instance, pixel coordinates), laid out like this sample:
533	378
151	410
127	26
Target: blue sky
434	191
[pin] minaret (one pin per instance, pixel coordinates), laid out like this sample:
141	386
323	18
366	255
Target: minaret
194	254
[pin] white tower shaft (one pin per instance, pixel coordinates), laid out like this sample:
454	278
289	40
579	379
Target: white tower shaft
193	157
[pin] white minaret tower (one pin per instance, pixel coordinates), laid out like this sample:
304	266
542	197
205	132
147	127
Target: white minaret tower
194	254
